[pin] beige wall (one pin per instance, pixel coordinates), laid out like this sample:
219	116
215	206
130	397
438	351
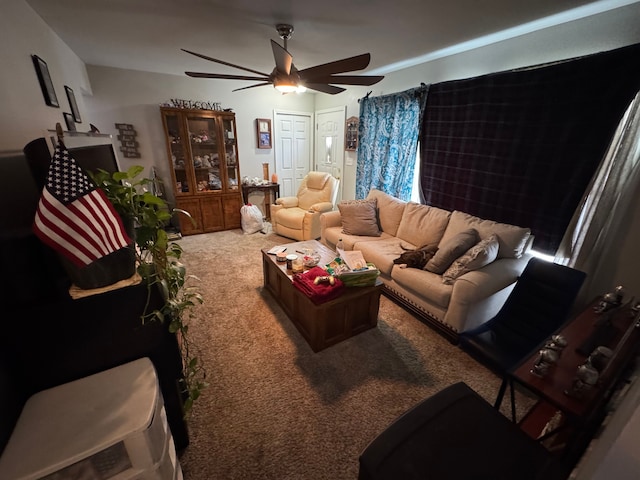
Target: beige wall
106	96
128	96
23	113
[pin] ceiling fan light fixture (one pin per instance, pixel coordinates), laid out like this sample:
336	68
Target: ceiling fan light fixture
285	85
286	78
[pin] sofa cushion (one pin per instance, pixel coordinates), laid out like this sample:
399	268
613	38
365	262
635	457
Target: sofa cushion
451	249
359	217
291	218
425	284
423	224
381	252
512	239
333	234
481	254
390	210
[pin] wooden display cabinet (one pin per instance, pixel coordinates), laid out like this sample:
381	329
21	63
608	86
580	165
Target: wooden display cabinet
203	159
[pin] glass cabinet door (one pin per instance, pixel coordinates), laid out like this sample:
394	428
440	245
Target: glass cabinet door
231	154
203	140
178	154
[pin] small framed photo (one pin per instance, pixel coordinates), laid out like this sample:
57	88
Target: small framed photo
263	126
42	70
68	119
72	103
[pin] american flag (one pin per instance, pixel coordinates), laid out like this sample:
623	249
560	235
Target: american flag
74	217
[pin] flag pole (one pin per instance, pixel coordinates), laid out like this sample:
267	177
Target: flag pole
60	134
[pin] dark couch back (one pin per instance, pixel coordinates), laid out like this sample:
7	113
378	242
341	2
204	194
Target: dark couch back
31	275
12	397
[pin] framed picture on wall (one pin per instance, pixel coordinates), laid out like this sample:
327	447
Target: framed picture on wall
42	70
72	103
68	120
263	126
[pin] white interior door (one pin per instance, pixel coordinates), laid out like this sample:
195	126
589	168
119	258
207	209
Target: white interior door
293	139
329	148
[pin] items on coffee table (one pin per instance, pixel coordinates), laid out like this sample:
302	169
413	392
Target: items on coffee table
297	265
321	291
353	311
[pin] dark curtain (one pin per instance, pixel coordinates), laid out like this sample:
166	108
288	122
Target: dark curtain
520	147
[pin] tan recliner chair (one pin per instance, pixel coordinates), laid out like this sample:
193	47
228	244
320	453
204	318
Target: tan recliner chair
299	217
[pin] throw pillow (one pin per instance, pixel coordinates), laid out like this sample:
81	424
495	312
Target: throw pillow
452	249
359	217
481	254
512	239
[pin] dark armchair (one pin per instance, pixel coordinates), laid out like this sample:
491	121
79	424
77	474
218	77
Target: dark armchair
456	435
539	304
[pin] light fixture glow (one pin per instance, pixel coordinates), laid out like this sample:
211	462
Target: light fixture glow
286	88
285	85
289	84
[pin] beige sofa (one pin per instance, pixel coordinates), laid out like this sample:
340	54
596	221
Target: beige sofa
451	306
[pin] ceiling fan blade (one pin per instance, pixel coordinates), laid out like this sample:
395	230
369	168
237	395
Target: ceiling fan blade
222	62
224	77
347	79
282	57
252	86
324	88
350	64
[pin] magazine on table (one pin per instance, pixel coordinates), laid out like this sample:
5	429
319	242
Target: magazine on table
354	259
277	249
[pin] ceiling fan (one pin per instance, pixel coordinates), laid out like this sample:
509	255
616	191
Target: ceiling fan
286	78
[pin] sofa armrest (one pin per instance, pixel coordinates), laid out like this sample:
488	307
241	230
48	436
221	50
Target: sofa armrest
478	295
275	208
287	202
321	207
490	279
331	219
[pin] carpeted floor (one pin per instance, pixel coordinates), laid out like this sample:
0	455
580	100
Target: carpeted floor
276	410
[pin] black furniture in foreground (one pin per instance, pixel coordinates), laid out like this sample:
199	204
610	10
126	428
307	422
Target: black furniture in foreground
47	338
539	304
456	435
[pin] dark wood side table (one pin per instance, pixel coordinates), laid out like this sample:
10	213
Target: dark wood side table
579	416
274	193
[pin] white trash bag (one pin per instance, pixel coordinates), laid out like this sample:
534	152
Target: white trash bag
251	218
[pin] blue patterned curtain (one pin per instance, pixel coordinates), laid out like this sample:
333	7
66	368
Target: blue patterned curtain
388	139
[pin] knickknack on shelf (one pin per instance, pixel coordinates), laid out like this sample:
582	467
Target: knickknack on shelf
351	134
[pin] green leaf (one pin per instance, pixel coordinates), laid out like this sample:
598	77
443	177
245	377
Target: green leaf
134	171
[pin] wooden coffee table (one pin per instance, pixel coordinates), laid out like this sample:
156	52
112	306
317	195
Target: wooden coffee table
353	312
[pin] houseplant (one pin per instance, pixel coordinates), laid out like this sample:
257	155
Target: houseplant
158	263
